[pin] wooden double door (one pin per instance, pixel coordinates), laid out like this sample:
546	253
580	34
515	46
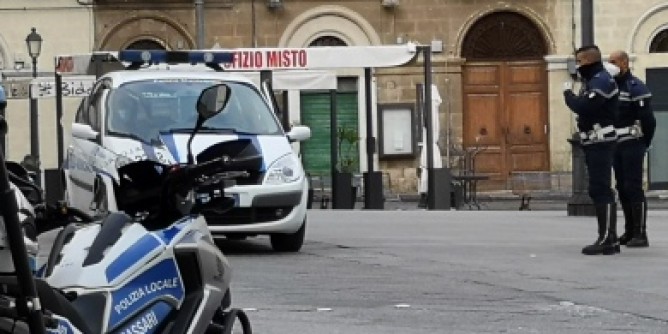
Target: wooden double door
506	116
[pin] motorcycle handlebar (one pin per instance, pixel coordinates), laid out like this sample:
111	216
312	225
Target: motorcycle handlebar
193	172
222	164
235	167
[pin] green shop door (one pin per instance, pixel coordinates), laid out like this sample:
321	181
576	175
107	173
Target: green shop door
315	113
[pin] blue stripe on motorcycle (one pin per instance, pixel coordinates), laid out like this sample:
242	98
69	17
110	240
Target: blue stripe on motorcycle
160	282
148	321
168	234
131	255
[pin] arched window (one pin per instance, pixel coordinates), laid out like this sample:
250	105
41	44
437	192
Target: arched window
327	41
504	35
660	42
145	44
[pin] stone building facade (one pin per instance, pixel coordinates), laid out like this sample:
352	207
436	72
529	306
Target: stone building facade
498	65
65	27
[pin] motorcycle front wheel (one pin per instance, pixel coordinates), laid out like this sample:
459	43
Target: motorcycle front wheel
236	322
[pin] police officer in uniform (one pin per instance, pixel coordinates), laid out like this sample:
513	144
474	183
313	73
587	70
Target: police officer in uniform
596	106
635	129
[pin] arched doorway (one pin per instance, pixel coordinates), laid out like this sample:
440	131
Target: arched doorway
153	31
505	96
145	44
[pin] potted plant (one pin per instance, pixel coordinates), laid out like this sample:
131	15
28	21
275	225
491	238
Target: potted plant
346	193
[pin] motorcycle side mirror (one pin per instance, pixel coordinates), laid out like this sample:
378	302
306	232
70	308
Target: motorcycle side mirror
3	126
210	103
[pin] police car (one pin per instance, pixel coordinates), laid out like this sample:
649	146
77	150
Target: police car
148	112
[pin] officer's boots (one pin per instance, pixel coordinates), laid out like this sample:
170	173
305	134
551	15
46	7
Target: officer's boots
607	242
639	212
628	224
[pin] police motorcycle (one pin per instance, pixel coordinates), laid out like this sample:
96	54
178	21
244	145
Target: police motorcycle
152	268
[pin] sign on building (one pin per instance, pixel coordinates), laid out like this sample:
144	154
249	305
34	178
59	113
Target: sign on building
78	86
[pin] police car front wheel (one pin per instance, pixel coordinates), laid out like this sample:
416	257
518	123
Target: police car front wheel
291	242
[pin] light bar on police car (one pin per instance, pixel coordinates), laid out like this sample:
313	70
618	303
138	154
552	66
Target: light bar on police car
175	57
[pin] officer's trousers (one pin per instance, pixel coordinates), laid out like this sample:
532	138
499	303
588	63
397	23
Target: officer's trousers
598	158
628	161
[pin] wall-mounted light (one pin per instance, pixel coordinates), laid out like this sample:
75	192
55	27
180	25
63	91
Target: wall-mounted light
274	4
19	65
389	3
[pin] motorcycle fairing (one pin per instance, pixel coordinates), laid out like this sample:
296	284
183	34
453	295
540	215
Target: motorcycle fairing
148	244
167	235
161	282
152	269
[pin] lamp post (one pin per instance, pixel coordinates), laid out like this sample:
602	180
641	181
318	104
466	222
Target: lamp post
580	204
34	44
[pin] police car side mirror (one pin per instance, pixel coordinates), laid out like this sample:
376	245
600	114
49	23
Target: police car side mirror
84	131
299	133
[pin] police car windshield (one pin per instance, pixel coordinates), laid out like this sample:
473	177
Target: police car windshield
145	109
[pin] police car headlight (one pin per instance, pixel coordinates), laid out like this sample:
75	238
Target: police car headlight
286	169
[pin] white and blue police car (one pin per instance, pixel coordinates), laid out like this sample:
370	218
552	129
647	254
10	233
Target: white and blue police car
148	112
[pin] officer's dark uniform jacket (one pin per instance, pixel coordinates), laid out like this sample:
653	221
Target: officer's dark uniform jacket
596	106
634	107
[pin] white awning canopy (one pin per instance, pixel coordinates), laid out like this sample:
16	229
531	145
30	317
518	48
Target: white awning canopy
256	59
260	59
303	80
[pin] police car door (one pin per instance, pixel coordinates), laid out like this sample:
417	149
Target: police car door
85	142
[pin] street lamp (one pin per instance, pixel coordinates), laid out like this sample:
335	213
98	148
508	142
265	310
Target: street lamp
34	44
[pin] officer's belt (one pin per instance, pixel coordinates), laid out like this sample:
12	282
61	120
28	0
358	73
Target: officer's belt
598	135
630	132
